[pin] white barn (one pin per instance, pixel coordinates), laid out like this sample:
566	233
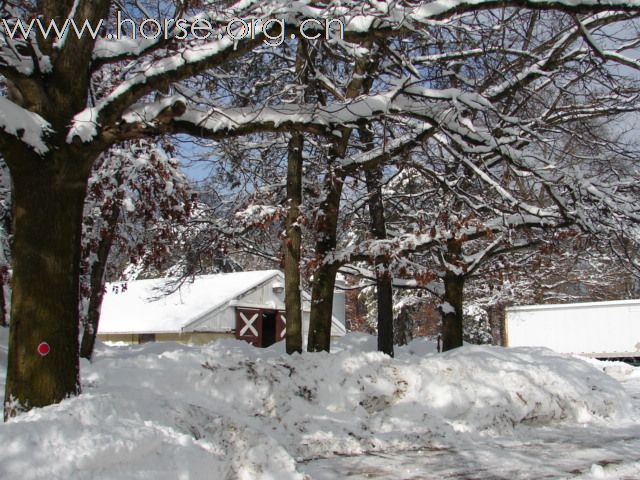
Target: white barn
244	305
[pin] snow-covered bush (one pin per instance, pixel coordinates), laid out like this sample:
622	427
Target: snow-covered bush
476	327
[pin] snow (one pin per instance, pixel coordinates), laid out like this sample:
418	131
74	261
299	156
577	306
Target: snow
112	48
447	308
435	105
27	126
229	410
128	205
85	125
59	43
144	301
253	213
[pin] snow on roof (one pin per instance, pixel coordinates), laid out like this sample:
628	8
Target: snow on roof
563	306
141	307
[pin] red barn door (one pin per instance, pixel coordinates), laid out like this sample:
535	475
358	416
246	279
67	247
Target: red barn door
281	326
249	325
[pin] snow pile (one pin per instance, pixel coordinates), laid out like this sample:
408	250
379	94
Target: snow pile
229	410
621	371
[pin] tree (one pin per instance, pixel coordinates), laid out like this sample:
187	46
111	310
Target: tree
137	200
50	144
492	191
5	251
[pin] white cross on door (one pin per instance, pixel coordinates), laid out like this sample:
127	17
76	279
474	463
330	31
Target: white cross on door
283	332
248	324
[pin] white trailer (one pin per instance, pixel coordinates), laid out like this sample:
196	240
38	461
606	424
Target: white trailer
594	329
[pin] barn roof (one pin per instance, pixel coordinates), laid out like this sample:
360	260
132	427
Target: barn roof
141	306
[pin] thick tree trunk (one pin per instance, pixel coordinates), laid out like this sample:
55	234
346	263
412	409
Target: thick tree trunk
451	308
384	287
44	309
385	311
293	303
96	285
324	277
451	311
5	277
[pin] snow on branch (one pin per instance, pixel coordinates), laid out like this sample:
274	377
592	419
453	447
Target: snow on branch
434	287
390	15
432	107
446	8
185	63
110	49
419	242
27	126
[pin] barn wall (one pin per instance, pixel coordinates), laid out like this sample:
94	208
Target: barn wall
119	337
222	319
262	296
194	338
305	328
265	294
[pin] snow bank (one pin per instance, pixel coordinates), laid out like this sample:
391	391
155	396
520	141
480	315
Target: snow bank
229	410
621	371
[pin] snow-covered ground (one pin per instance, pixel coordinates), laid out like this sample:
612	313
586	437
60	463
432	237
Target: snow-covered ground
229	410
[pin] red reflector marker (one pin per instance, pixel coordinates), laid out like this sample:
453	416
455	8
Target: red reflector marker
44	349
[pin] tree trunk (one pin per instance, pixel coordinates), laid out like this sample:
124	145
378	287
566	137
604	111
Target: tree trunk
403	325
451	311
5	277
324	279
324	276
384	287
451	308
385	311
49	197
293	304
96	285
4	273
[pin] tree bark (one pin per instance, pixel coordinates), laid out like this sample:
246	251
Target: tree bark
385	310
49	192
49	198
324	277
4	280
403	326
451	309
6	224
384	287
96	285
327	224
452	313
293	303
